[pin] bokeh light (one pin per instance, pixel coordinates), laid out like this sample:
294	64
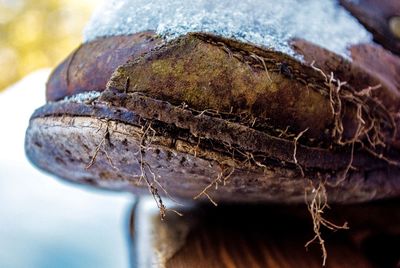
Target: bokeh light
38	33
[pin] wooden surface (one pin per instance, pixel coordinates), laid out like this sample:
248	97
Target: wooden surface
269	236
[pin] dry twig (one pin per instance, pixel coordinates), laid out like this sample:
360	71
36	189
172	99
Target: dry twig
295	151
221	179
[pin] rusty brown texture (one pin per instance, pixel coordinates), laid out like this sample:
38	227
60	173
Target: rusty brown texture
233	79
218	106
386	67
382	64
89	67
370	65
65	145
377	16
182	124
206	72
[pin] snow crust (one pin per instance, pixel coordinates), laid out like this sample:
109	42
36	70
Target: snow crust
83	97
267	23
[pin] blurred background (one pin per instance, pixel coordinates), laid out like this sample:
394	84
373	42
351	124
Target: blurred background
45	222
38	33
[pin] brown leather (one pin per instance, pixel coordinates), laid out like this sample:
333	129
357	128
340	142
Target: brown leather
90	66
378	17
222	103
188	90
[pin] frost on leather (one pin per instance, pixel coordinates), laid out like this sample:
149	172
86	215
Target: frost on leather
270	24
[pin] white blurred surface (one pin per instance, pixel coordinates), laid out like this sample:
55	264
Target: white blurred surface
43	221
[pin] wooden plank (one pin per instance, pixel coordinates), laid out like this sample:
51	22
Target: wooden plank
265	236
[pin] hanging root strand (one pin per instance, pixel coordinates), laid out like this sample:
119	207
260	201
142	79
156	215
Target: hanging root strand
375	124
149	176
295	151
106	136
316	207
